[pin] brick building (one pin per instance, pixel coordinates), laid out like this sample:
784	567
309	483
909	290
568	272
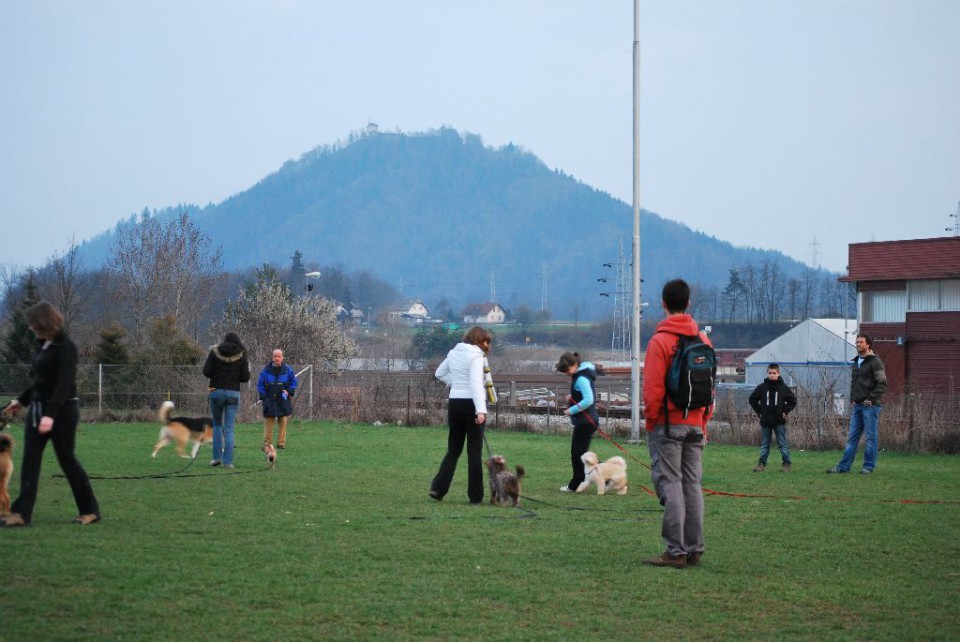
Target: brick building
908	296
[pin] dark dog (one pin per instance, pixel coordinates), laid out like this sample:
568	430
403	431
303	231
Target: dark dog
183	430
6	471
504	485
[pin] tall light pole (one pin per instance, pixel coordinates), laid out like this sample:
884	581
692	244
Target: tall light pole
309	276
635	392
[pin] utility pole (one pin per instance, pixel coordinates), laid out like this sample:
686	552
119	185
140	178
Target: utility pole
620	340
635	391
543	287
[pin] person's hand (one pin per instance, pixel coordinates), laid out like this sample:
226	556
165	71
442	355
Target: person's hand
284	394
46	425
12	408
481	418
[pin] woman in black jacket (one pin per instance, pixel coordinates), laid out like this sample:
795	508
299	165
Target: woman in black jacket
53	412
226	367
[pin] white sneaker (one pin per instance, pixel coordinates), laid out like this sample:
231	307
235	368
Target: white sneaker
566	489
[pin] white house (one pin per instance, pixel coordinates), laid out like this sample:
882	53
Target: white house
483	313
410	312
813	355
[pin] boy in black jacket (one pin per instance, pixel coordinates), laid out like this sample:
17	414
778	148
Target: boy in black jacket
773	400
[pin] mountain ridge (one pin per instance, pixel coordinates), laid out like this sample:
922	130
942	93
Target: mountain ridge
439	214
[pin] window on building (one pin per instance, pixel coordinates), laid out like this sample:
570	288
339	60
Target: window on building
883	307
934	296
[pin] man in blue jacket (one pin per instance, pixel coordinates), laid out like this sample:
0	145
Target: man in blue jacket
276	386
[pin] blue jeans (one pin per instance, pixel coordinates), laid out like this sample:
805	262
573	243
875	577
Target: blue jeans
223	409
781	432
862	419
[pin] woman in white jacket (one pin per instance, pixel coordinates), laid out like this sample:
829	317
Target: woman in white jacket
462	370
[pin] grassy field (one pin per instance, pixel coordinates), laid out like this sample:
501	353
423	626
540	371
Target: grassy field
341	542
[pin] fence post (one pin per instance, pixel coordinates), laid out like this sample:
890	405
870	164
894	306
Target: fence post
409	399
311	393
99	390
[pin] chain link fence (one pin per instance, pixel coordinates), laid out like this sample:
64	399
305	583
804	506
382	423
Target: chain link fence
527	402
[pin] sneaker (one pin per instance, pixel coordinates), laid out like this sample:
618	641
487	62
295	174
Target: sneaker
837	470
228	465
436	495
566	489
759	468
89	518
13	519
785	468
215	462
865	471
693	559
666	559
280	447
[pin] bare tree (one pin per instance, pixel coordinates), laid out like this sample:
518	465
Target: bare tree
162	268
69	288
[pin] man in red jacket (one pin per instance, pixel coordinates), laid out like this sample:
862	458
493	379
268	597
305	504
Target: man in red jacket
676	451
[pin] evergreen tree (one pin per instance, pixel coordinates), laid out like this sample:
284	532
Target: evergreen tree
20	342
111	349
168	345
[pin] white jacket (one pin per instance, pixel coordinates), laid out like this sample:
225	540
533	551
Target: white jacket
462	370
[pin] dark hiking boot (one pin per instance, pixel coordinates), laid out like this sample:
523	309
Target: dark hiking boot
666	559
759	468
693	559
785	468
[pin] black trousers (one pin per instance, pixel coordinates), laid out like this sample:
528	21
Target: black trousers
461	417
64	438
579	444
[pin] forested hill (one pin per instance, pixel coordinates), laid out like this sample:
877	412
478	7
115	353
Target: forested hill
439	214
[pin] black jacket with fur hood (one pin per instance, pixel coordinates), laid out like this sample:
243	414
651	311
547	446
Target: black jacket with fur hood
227	366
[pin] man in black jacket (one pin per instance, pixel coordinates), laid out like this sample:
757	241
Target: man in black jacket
868	382
773	400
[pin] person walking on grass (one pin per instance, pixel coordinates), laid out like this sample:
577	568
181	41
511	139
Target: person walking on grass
868	382
226	367
462	370
53	412
582	412
676	435
773	400
277	384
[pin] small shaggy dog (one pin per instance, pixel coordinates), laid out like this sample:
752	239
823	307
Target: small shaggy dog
6	471
504	485
271	455
183	430
610	474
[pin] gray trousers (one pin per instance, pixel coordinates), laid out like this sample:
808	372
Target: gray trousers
676	467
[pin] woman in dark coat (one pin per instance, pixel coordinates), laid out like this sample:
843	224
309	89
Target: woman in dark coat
226	367
276	385
53	412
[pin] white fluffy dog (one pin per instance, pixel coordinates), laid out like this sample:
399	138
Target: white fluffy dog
610	474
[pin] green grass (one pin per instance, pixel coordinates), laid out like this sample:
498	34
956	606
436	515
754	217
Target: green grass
342	542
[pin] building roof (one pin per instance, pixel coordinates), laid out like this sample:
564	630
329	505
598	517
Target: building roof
813	342
478	309
936	258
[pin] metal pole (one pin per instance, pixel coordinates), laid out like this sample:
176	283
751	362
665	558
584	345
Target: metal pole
635	392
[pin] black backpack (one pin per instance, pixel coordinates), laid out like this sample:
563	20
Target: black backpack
691	376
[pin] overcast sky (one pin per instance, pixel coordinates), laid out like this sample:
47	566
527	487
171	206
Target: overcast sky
796	125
